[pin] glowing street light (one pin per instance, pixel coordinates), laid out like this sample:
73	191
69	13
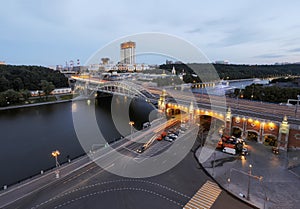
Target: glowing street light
55	154
131	123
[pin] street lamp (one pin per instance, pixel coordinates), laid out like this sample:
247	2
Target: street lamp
131	123
250	174
55	154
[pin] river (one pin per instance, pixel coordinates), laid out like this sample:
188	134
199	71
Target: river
229	85
29	135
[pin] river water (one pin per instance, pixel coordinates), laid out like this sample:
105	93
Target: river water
226	86
29	135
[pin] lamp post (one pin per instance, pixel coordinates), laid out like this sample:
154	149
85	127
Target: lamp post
131	123
250	173
55	154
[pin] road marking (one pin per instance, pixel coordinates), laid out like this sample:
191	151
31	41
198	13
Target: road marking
109	182
118	190
204	197
74	177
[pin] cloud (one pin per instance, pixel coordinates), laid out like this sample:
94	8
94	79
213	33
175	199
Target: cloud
268	56
294	50
241	29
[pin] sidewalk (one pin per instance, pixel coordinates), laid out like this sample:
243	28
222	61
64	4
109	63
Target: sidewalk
278	187
25	188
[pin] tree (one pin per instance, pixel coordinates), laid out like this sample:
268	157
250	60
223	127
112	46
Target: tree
12	96
29	77
2	100
18	84
25	94
4	84
47	87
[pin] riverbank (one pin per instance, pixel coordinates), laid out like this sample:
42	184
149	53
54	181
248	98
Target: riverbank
34	105
59	99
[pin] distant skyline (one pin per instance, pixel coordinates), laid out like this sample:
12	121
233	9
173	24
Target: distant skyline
243	32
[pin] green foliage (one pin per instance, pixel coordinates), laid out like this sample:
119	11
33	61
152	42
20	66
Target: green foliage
47	87
2	100
25	94
29	77
12	96
206	71
267	93
4	83
168	81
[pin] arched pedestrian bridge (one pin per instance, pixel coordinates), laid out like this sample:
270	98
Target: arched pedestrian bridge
89	87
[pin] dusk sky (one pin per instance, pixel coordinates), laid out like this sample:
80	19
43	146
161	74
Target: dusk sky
48	32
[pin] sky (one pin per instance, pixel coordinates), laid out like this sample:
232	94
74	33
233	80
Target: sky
51	32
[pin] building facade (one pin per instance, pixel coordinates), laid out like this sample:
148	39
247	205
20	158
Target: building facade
127	53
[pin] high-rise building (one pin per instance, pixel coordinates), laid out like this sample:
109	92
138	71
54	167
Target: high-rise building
128	53
105	60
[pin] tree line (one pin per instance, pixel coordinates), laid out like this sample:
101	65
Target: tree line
263	93
17	81
230	71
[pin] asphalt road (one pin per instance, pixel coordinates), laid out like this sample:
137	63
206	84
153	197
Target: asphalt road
93	187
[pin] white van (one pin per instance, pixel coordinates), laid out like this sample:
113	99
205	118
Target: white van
229	150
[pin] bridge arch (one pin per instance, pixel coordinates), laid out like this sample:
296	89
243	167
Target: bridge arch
115	87
270	140
237	131
252	135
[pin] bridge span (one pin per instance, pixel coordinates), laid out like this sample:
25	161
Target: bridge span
257	121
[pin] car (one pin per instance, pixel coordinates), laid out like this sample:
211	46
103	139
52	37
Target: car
141	149
172	136
168	139
229	150
244	152
275	150
176	133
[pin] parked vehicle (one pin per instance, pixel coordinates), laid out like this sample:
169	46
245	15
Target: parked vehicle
163	134
244	152
159	138
275	150
141	149
172	136
229	150
146	125
168	139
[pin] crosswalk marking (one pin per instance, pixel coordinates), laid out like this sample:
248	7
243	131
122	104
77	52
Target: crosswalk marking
204	197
